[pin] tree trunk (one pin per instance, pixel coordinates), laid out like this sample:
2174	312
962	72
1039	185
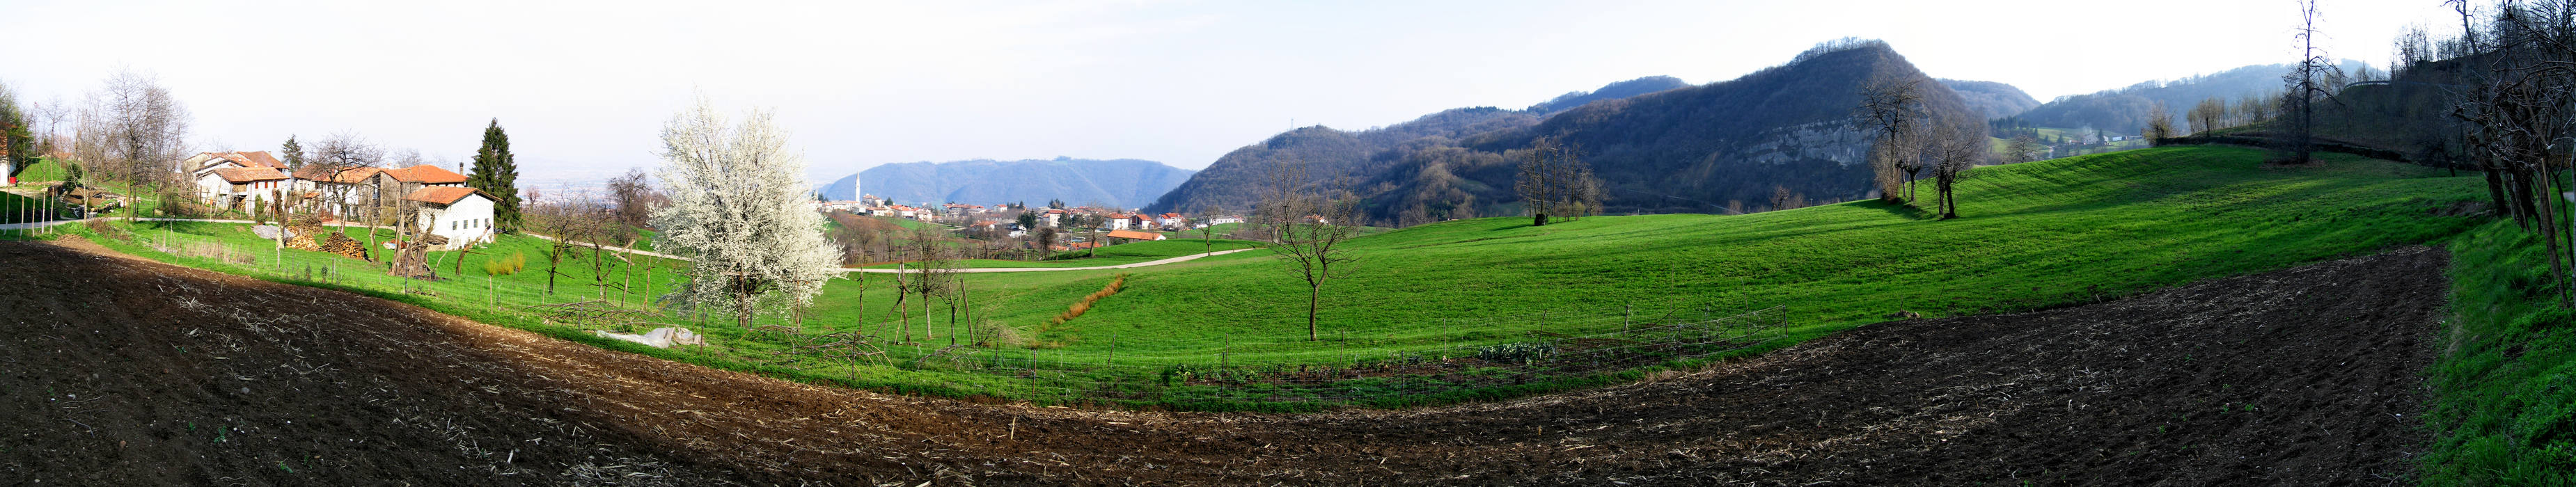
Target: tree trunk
1538	219
742	308
1314	301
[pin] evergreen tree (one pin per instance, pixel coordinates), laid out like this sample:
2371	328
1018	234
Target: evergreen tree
293	153
495	172
15	140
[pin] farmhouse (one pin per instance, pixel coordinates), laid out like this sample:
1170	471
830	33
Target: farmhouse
224	179
353	191
205	162
462	215
228	188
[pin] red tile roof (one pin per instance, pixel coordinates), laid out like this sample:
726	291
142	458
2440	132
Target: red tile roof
426	174
243	159
1135	235
239	175
256	159
445	195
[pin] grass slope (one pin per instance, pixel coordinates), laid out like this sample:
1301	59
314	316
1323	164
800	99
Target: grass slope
45	169
2035	235
2504	408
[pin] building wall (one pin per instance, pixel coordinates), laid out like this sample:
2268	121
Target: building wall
467	222
210	185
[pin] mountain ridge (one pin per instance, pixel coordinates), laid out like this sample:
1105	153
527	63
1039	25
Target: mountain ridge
1698	148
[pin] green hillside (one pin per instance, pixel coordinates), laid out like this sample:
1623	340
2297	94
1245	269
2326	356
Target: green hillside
2034	235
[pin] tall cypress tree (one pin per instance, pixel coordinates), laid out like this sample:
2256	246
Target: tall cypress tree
293	153
496	173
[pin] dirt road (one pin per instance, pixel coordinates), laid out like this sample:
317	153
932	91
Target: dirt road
126	372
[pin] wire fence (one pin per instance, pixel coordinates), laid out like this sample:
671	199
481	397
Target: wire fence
1487	356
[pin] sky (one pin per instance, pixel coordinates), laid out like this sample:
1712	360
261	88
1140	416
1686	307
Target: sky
583	88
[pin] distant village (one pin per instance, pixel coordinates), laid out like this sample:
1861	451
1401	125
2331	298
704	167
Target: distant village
1003	220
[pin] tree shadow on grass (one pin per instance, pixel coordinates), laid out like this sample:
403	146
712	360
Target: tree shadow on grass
1909	212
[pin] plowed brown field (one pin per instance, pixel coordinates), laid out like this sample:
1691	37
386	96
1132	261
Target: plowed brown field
125	372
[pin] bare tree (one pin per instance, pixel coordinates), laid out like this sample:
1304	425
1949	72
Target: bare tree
1891	108
2159	124
132	129
1207	231
346	162
2308	84
1784	199
2022	148
634	198
1553	180
2207	115
1958	147
556	216
1309	226
2518	113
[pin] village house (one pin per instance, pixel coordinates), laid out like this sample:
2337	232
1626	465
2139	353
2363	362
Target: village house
352	192
233	187
1120	221
226	179
461	215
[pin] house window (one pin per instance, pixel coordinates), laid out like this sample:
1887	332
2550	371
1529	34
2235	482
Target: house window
451	226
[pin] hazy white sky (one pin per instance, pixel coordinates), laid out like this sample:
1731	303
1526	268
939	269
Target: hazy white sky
583	88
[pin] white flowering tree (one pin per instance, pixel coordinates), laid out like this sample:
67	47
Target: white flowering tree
741	209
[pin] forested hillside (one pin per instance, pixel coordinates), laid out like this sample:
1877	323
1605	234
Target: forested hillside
1995	100
1122	183
1691	149
1613	91
2125	110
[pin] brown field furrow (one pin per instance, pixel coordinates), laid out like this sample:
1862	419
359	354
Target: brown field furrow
125	372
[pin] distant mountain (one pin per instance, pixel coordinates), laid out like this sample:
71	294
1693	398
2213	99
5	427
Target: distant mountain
1231	182
1688	149
1612	91
2125	110
1122	183
1995	100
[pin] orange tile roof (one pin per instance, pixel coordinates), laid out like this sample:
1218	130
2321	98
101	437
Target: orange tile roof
249	174
445	195
426	174
256	159
1135	235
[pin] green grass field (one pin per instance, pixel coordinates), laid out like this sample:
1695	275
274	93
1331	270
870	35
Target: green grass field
2504	387
2034	236
1120	254
46	169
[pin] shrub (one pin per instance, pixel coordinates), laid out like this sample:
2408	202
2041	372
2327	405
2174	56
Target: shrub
1523	353
997	335
506	265
101	227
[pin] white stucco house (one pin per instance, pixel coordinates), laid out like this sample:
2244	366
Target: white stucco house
234	188
227	179
352	192
463	215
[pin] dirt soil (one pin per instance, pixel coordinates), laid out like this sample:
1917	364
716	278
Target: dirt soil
124	372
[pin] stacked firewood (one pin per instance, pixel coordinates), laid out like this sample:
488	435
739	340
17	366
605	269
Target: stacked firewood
340	243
